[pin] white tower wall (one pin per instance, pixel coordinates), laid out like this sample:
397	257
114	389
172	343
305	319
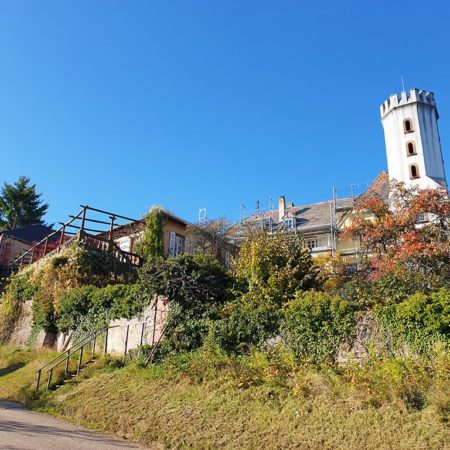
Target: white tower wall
420	108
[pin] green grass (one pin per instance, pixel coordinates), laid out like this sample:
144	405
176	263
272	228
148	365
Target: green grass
208	400
17	369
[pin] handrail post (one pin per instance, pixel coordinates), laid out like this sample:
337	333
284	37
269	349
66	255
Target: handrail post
32	254
49	380
80	360
45	246
142	333
106	341
38	382
66	369
126	341
93	346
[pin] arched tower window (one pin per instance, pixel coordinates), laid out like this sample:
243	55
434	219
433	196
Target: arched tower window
414	171
408	126
411	148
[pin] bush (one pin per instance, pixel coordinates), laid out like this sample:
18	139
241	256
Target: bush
197	286
275	266
315	324
419	322
18	290
248	322
88	308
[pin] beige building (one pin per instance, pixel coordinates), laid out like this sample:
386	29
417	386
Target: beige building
174	230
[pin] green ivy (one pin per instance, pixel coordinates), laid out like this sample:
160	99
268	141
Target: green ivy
418	323
152	244
315	325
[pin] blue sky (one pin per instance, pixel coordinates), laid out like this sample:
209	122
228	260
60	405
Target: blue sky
202	103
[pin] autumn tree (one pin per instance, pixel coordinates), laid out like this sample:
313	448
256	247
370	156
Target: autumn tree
21	205
211	237
410	231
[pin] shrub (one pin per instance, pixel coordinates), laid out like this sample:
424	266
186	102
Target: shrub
197	286
315	324
276	266
88	308
248	322
419	322
18	290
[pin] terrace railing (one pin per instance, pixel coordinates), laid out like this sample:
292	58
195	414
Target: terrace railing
78	229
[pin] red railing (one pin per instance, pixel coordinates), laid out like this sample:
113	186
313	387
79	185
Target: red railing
78	229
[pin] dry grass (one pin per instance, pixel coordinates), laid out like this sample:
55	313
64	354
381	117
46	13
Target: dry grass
17	369
209	401
314	410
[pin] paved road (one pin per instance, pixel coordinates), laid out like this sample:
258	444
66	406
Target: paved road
21	429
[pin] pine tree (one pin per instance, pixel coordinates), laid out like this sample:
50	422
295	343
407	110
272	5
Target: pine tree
21	205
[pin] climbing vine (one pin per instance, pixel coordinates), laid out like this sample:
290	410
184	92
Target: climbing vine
152	244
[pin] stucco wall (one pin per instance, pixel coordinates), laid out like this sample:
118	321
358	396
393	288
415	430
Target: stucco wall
148	333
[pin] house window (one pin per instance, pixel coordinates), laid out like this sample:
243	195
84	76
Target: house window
413	171
407	126
289	223
421	218
411	148
311	242
176	244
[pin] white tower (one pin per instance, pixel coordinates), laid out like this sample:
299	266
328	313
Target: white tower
413	146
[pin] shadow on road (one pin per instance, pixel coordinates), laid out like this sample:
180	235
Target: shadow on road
11	368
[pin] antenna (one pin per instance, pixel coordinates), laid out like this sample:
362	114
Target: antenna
403	83
242	211
202	215
257	207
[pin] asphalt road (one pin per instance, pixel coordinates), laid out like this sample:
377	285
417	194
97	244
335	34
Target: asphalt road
21	429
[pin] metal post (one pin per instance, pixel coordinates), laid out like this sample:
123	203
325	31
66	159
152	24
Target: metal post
66	369
142	333
38	380
154	321
126	341
80	360
49	380
106	341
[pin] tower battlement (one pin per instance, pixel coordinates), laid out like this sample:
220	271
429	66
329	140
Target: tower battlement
413	96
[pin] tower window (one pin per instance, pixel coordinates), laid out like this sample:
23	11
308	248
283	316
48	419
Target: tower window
411	148
413	171
408	126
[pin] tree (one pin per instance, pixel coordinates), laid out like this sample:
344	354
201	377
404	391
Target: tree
275	266
21	205
411	233
211	237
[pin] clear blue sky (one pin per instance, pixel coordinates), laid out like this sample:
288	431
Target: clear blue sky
203	103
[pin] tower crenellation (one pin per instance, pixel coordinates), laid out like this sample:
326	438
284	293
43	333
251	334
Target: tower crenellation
407	97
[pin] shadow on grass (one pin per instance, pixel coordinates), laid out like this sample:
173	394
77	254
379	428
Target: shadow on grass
11	368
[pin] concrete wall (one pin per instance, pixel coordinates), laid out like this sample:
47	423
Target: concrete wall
10	249
151	330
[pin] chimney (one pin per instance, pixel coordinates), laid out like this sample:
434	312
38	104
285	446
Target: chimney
281	208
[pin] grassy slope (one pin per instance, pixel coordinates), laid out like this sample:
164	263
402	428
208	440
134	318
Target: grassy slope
212	402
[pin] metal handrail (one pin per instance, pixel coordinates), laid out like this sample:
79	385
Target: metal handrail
79	346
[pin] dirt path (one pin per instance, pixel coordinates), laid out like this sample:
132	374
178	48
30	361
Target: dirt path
21	429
